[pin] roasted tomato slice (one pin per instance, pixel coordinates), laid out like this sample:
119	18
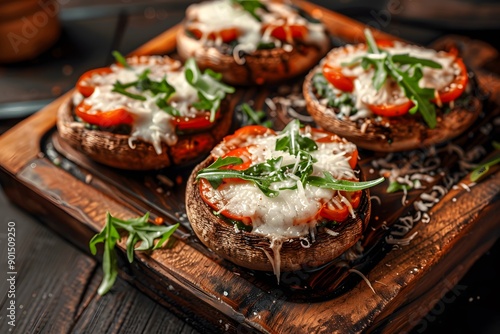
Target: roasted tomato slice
103	118
391	110
287	32
354	197
335	76
243	154
84	86
339	211
226	35
195	123
456	87
384	43
334	212
239	137
205	189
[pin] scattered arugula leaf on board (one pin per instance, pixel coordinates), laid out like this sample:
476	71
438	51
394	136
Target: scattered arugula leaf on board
481	171
257	117
138	229
396	186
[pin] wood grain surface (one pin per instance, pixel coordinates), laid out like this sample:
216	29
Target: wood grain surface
72	194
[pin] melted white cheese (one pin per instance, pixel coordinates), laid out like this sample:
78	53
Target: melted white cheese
390	93
285	214
211	17
151	124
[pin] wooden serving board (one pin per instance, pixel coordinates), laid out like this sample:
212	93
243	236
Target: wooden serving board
408	267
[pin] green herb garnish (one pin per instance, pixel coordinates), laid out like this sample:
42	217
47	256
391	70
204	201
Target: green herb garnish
162	89
266	45
330	183
138	229
265	175
120	59
482	170
251	6
255	117
406	71
294	142
211	90
324	89
395	186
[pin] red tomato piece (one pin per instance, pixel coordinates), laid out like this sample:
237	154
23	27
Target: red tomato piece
456	87
240	135
241	152
205	188
354	197
103	118
335	76
353	160
227	35
391	110
195	123
331	212
83	86
287	32
384	43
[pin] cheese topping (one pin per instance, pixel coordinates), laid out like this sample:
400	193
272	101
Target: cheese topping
293	212
151	123
210	18
390	93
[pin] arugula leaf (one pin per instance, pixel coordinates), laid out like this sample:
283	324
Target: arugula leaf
255	117
406	59
163	105
293	141
262	175
120	88
482	170
325	90
120	59
370	42
395	186
162	89
330	183
386	65
210	90
139	229
251	6
265	174
109	236
420	97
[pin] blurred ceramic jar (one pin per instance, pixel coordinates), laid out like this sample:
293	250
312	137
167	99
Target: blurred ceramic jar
27	28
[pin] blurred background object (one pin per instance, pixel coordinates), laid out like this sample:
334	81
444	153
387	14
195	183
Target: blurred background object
451	14
27	28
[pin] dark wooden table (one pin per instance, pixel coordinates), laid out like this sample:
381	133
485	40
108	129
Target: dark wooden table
56	282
